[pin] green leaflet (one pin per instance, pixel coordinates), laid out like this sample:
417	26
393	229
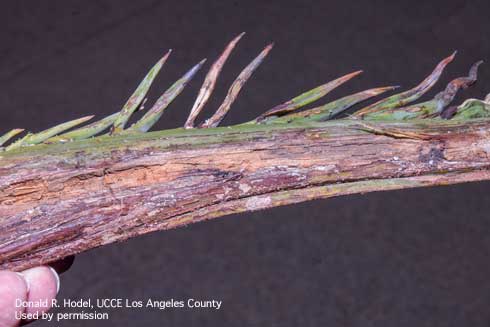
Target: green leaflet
31	139
86	131
331	109
421	111
307	97
472	109
152	116
138	95
7	136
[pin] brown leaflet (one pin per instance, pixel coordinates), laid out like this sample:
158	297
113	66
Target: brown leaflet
235	89
210	82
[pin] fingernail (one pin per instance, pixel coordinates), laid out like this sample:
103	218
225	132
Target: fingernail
25	281
57	277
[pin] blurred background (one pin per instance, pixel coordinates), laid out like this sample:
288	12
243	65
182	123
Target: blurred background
414	257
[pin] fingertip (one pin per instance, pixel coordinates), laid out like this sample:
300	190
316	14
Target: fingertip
13	291
43	288
57	279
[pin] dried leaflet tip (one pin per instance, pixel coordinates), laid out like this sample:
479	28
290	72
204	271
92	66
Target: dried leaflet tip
404	98
445	97
235	88
431	108
210	82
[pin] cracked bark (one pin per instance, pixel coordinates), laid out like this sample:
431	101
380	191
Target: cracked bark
61	199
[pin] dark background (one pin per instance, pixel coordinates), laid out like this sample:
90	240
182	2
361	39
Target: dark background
403	258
